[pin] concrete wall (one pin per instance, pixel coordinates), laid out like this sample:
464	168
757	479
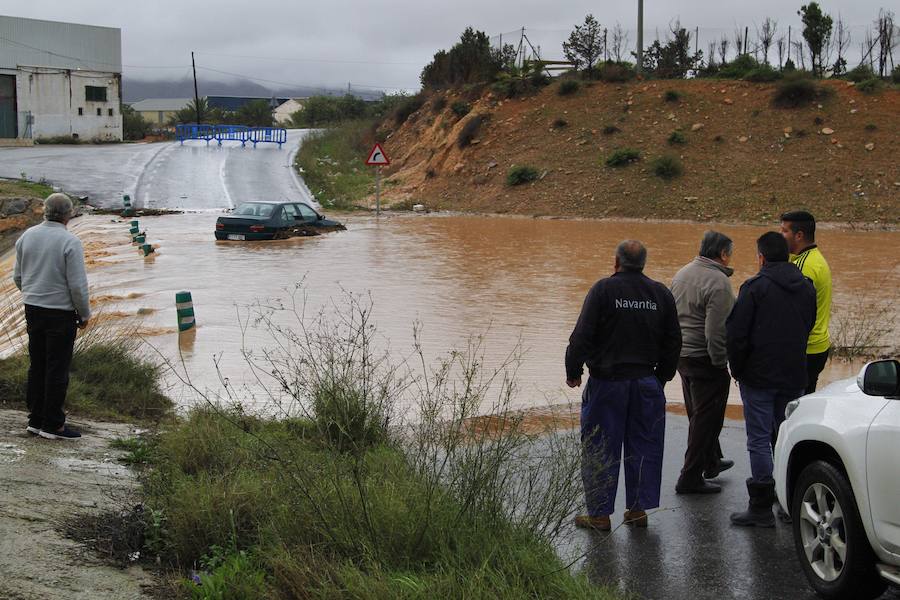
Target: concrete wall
54	97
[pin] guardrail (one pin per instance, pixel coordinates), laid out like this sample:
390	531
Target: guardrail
231	133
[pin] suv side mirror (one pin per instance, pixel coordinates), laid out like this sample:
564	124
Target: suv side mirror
880	378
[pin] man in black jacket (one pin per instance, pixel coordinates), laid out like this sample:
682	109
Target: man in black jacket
628	335
767	332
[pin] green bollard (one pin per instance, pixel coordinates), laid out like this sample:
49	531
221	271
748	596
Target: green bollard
147	248
184	305
140	239
135	224
134	230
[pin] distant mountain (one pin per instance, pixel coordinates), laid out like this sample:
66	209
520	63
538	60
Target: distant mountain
137	89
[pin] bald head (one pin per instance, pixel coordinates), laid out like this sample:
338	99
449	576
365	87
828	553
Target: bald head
631	255
58	208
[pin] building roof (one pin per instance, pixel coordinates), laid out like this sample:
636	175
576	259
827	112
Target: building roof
160	104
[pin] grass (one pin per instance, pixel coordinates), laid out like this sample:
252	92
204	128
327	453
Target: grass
332	163
667	167
672	96
568	87
460	108
870	86
677	137
313	506
16	187
623	157
795	93
521	174
109	380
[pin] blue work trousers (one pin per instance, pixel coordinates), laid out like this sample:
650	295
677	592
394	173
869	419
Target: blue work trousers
763	415
629	413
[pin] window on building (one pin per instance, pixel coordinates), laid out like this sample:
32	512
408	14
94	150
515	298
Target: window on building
99	112
93	93
80	111
110	112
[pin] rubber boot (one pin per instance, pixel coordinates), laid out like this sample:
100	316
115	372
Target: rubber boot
759	512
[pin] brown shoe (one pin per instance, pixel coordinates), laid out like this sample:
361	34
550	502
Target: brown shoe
638	518
600	523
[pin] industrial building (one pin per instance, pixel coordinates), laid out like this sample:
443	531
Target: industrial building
159	111
59	80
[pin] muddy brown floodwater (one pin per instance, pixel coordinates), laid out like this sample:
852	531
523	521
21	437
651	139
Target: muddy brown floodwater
516	280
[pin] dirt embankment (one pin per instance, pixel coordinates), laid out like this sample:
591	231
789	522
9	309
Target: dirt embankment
42	484
743	158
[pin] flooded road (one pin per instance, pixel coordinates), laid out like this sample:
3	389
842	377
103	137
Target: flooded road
516	280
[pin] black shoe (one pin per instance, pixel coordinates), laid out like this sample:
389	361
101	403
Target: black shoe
724	465
65	434
33	430
702	487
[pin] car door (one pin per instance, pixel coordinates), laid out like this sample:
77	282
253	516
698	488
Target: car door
289	216
308	214
882	455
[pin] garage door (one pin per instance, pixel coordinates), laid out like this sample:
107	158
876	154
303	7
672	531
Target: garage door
7	106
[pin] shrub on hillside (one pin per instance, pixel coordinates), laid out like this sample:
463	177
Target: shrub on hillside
460	108
539	79
519	174
739	67
672	96
559	123
622	157
613	72
407	107
469	131
610	129
860	73
568	87
667	167
794	93
677	137
762	74
439	104
895	74
870	86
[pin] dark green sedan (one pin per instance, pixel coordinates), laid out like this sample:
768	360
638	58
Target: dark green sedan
253	221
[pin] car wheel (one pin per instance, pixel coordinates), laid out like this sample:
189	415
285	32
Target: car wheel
829	536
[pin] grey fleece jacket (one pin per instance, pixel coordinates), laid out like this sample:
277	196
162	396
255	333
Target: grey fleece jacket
50	269
703	297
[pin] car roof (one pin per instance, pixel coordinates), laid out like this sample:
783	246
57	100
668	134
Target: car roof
275	202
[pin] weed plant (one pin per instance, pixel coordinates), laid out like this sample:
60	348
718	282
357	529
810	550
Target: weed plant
440	503
610	130
521	174
667	167
568	87
460	108
870	86
623	157
672	96
439	104
677	137
795	93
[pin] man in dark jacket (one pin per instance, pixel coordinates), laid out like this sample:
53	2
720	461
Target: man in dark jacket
767	332
628	336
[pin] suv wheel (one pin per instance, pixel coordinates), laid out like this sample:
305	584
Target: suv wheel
829	536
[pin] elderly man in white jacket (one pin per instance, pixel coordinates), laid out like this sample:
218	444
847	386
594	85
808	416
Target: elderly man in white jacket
51	274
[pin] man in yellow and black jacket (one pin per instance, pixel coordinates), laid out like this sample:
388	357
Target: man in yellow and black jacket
799	230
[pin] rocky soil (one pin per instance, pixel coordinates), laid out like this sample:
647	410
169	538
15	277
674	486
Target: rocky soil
42	484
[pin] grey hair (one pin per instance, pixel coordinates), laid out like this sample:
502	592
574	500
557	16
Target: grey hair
714	244
632	255
58	207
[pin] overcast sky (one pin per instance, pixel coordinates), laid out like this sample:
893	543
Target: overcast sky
379	43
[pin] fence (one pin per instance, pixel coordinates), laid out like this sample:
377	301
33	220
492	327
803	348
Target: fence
231	133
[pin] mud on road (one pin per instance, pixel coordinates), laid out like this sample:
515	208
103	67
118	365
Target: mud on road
44	482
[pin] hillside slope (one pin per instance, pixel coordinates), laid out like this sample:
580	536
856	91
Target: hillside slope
743	159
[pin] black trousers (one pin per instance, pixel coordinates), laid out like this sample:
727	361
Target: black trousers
51	339
815	364
705	397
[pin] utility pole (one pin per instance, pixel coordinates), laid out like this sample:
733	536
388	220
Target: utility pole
196	95
640	37
746	35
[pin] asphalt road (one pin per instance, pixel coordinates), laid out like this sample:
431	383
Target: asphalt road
690	550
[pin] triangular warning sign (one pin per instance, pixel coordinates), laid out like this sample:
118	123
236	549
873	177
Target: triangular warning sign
377	157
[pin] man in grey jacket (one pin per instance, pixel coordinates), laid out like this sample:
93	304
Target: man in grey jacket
704	298
51	274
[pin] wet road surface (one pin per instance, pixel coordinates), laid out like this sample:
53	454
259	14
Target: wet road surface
690	551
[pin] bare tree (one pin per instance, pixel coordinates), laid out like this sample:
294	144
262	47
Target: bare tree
723	49
766	34
781	46
619	42
799	52
866	49
712	55
841	43
887	41
739	40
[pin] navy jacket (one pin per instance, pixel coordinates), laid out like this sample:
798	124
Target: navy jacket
768	328
628	328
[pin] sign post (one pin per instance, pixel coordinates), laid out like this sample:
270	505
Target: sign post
377	158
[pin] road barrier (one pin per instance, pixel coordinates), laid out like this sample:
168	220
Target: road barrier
127	211
184	305
231	133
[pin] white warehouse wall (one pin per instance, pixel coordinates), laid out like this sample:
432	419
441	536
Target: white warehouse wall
54	97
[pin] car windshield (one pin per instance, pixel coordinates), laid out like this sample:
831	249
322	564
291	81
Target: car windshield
254	209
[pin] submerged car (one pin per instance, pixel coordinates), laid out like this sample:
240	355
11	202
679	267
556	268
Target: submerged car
252	221
836	469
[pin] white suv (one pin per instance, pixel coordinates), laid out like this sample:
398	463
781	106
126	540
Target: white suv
837	469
